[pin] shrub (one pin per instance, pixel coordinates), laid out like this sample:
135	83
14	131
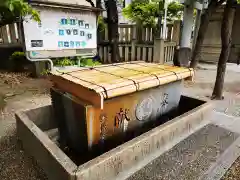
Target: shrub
89	62
64	62
18	61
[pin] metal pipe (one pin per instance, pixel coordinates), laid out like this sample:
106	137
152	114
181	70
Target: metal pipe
165	19
83	57
37	60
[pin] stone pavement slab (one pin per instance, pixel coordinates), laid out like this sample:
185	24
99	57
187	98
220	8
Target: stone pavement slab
191	158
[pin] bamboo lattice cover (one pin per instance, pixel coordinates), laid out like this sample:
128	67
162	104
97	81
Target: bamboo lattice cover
107	81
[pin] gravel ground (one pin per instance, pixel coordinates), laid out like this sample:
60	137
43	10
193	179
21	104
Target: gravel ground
234	172
202	87
18	92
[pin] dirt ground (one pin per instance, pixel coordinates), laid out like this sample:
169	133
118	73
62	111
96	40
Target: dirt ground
20	92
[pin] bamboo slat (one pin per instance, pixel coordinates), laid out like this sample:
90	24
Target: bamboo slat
113	80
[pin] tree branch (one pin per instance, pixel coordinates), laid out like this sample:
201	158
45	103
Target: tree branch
99	4
90	1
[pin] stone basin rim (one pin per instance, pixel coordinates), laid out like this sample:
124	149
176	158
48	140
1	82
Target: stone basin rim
80	171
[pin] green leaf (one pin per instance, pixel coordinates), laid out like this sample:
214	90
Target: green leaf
11	7
145	13
13	10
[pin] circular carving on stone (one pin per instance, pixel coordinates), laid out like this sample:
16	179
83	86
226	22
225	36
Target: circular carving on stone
144	109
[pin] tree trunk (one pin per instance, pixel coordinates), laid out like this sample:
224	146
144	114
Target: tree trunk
99	4
112	21
112	24
214	4
226	33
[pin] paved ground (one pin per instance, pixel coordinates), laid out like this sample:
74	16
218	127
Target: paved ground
21	93
190	158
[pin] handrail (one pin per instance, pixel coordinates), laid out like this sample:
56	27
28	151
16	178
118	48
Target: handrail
37	60
84	57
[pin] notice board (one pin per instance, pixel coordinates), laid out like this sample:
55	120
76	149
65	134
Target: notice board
60	30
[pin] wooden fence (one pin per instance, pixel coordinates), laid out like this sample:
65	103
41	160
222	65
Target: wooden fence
138	44
10	35
134	43
169	49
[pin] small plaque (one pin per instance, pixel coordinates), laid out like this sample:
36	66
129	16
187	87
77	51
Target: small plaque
37	43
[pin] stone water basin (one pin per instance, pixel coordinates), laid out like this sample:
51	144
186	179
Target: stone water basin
38	132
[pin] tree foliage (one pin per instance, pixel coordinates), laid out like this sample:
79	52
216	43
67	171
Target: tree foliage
145	13
111	24
15	10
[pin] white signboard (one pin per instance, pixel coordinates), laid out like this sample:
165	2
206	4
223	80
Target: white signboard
60	30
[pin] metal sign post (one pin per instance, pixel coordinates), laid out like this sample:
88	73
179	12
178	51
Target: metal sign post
165	19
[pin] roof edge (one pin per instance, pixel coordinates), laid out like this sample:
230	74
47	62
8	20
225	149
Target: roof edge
64	6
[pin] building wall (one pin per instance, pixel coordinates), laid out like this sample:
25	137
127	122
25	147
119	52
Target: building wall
235	50
211	47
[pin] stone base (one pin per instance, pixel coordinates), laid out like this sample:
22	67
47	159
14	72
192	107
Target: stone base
183	57
118	163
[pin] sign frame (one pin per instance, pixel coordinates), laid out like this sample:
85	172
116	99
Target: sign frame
62	52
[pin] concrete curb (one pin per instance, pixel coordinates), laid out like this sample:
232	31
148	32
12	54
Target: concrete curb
228	122
53	161
225	161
